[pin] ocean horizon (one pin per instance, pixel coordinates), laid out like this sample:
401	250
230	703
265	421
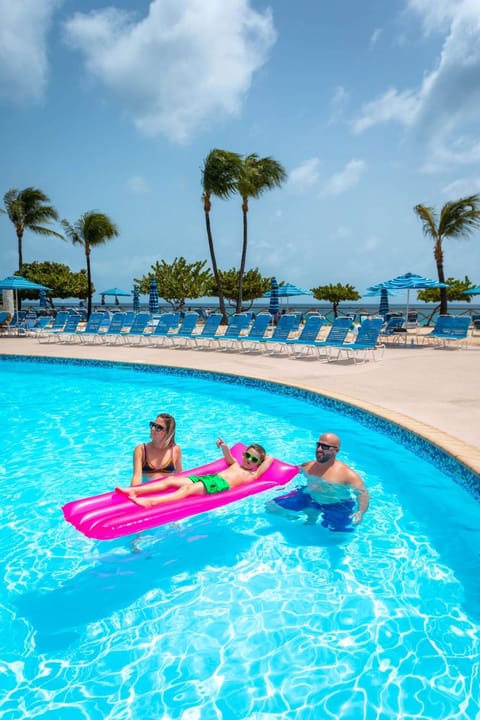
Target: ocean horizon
425	310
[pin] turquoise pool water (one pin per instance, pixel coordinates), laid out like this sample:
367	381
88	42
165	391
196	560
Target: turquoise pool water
234	614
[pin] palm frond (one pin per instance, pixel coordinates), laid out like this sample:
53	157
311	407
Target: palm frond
428	219
460	217
219	173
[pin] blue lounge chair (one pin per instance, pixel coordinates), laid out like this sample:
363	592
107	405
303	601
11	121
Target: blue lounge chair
69	328
450	328
441	329
287	325
475	323
114	329
91	328
184	332
39	326
365	343
16	323
236	325
119	325
166	323
308	336
4	321
336	336
137	329
59	321
394	329
208	331
257	332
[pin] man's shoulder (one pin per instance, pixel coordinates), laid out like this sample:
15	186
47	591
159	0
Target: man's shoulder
310	468
348	473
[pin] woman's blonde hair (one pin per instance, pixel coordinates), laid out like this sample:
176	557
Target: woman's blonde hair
171	426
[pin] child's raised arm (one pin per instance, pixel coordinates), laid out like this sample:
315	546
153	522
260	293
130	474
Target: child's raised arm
226	451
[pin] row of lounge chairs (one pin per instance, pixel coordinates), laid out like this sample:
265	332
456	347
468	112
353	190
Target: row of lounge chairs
449	329
241	335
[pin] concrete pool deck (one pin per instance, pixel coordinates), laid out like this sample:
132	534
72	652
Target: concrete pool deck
435	392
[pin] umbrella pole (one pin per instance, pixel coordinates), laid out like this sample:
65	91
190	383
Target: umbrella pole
18	320
406	313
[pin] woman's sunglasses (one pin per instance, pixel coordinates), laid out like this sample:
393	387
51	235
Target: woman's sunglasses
253	458
155	426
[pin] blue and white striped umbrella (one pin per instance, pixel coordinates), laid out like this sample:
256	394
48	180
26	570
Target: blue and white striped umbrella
408	282
472	291
288	290
136	298
274	305
153	305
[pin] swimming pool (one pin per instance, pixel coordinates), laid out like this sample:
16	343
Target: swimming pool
233	614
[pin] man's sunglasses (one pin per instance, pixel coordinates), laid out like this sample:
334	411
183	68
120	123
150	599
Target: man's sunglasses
155	426
253	458
324	446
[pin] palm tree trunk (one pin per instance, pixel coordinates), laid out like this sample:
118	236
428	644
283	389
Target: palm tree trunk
438	253
221	299
20	261
89	283
244	257
20	247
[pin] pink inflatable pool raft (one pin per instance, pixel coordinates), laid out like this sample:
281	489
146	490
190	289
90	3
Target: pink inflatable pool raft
112	515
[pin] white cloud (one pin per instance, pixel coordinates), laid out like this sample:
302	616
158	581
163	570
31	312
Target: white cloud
393	105
345	179
305	175
445	152
138	185
182	67
436	15
24	26
375	35
447	99
463	187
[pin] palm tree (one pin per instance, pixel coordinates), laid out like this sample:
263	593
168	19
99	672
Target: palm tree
219	175
457	219
256	175
27	210
91	229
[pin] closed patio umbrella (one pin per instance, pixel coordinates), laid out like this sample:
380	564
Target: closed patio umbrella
385	294
136	299
153	305
42	299
274	305
384	306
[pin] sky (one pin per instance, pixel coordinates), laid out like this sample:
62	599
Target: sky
371	107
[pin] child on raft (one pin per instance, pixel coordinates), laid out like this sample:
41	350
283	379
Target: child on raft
254	463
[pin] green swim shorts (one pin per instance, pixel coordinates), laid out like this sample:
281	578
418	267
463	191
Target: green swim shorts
212	483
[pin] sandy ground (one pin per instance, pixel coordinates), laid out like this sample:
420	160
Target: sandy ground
432	391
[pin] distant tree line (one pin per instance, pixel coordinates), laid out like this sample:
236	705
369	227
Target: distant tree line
224	174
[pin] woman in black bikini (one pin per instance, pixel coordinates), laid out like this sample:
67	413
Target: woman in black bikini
159	457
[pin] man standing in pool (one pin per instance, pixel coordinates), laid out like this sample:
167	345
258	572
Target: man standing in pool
328	492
